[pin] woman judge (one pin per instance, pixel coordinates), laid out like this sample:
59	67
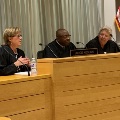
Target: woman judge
12	59
103	42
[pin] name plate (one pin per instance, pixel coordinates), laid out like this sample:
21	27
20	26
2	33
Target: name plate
78	52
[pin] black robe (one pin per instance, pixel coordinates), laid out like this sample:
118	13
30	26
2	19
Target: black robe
7	59
110	46
54	50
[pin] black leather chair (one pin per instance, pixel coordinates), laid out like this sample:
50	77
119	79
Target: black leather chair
40	54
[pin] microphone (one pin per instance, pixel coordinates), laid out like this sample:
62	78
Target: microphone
112	37
16	59
81	43
41	44
49	49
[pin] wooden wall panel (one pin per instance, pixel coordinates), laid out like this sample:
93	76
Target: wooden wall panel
26	97
87	87
86	67
28	87
38	114
81	88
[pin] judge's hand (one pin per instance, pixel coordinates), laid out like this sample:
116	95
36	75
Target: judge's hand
22	61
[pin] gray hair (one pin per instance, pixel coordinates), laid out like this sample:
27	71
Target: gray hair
106	28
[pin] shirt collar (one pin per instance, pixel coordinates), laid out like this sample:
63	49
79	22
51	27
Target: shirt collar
60	44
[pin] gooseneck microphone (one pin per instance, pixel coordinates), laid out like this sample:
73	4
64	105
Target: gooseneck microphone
112	37
50	49
41	44
16	59
81	43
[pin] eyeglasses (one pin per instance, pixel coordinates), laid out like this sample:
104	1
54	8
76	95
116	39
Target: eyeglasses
19	35
65	36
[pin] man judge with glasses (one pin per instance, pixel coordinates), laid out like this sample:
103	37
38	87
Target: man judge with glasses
60	47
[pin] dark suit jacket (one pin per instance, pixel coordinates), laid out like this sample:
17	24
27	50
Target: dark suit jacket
7	66
110	46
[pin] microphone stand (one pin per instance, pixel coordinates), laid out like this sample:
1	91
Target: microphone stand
113	38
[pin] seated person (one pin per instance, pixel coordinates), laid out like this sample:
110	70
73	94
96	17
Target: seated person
11	57
103	42
60	47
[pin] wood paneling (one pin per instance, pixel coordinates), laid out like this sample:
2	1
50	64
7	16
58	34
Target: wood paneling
23	97
86	87
78	88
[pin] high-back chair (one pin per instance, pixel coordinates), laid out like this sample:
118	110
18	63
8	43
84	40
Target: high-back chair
40	54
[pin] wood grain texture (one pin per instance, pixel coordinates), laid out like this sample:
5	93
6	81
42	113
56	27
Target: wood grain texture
85	87
26	97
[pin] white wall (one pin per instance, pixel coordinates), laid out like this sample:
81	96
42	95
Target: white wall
109	14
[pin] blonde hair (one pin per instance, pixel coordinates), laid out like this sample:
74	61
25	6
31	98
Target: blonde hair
10	32
107	29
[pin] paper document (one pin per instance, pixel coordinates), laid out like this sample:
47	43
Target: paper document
22	73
